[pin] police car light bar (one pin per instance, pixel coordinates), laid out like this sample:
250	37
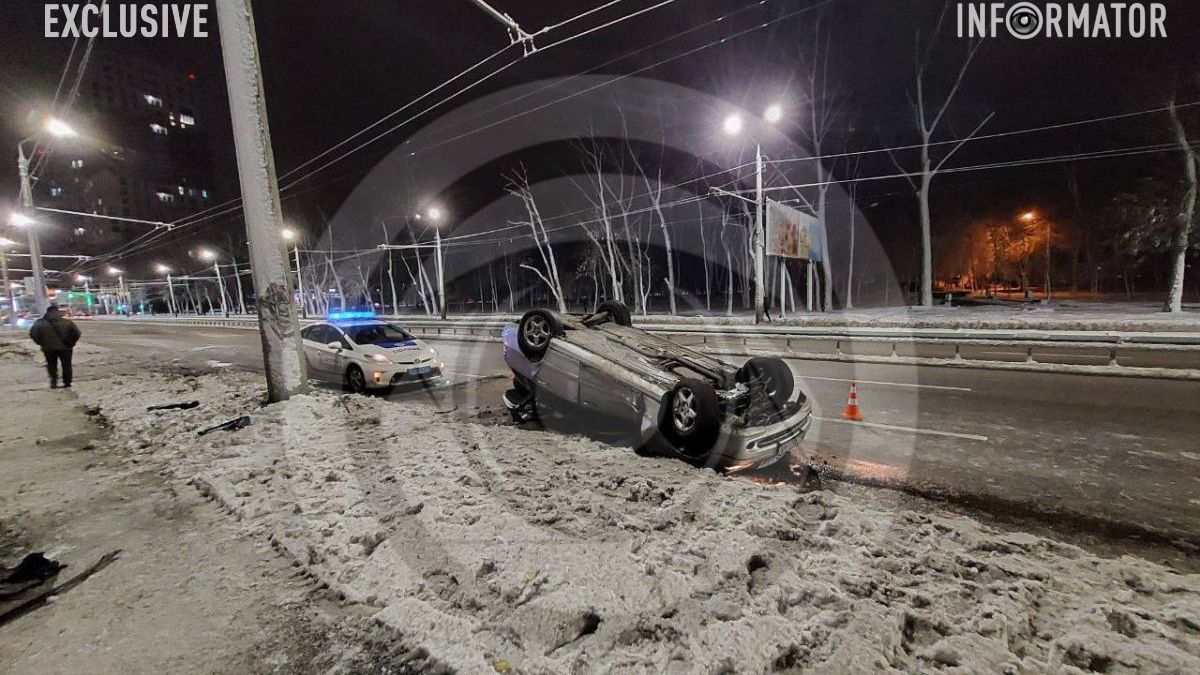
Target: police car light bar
350	315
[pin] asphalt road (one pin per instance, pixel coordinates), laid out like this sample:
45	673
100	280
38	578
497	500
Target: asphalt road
1100	453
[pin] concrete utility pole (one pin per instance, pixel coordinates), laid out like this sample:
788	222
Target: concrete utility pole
279	327
171	297
35	242
300	282
12	301
221	289
437	238
759	239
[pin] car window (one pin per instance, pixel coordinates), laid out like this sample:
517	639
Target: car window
382	334
312	333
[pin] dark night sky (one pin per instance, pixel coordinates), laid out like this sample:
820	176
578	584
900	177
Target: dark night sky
332	67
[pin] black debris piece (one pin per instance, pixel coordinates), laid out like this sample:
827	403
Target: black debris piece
232	425
184	405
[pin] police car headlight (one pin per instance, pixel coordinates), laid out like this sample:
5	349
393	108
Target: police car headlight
381	359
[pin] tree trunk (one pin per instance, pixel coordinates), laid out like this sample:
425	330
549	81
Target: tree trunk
1187	211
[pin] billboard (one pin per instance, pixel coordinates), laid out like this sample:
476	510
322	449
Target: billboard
792	234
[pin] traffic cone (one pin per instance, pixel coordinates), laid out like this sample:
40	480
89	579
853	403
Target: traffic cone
851	411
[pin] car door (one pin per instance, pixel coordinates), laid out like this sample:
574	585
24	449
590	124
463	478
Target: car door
336	360
310	339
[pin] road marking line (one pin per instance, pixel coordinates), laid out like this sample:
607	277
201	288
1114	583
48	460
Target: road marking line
911	430
889	384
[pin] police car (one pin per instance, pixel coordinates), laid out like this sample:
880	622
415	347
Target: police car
360	352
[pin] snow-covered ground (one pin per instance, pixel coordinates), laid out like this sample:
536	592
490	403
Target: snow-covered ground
494	547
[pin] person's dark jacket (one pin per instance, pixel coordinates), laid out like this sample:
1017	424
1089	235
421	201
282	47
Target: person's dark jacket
52	332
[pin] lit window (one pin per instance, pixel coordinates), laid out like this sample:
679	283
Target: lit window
166	197
158	129
152	100
55	192
204	193
77	164
186	120
180	189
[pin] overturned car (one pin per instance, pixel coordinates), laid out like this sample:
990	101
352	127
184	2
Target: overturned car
597	372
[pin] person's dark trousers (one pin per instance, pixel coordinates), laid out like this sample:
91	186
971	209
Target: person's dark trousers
53	358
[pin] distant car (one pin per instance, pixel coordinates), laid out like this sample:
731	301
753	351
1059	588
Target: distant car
359	352
600	372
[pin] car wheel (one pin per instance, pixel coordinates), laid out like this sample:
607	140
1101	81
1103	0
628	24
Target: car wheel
535	330
356	382
770	377
617	311
693	416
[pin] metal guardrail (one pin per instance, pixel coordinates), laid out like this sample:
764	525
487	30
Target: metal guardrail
976	347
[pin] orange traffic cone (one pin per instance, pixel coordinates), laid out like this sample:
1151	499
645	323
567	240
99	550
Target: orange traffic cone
851	411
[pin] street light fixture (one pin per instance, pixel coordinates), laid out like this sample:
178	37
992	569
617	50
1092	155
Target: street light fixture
288	234
733	125
774	113
60	129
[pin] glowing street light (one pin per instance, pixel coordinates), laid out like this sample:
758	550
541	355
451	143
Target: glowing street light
774	113
733	125
60	129
207	254
162	269
435	214
288	234
1028	216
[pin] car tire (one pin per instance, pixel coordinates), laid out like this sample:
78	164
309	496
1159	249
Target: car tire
693	419
773	375
617	311
356	381
535	331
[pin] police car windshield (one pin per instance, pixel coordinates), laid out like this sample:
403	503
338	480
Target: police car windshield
376	334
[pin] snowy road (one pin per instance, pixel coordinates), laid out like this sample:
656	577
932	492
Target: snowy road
1094	452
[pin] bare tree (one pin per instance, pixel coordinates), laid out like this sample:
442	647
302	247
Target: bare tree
518	186
390	269
929	117
823	102
597	194
1187	212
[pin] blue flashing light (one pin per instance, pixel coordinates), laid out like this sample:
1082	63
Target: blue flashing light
350	315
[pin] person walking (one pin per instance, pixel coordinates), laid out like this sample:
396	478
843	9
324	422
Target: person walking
56	335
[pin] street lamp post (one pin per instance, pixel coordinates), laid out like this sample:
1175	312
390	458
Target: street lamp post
12	303
87	289
733	126
290	235
435	215
210	255
120	275
163	269
58	129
